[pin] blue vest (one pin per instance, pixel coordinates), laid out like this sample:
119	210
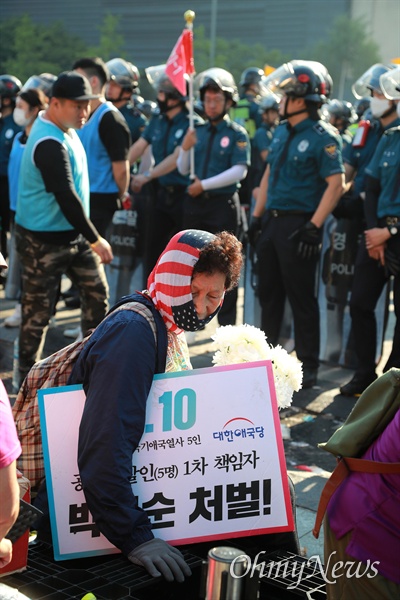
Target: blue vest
14	165
100	168
37	209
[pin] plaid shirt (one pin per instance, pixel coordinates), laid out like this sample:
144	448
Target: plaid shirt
53	371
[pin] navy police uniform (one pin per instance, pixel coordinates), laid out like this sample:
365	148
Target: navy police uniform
383	188
135	120
261	142
300	159
167	192
218	148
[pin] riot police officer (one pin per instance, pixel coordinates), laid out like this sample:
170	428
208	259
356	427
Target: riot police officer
358	154
378	257
9	88
341	115
246	110
124	82
246	113
221	158
301	185
269	110
162	214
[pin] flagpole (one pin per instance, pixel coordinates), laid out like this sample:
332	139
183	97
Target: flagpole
189	18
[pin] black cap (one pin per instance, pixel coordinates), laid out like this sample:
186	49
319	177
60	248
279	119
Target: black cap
72	86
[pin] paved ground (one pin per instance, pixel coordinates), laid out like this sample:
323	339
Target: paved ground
311	419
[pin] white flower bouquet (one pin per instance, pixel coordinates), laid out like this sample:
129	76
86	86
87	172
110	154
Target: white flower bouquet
245	343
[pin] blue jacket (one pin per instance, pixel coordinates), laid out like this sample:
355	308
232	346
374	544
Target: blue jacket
116	368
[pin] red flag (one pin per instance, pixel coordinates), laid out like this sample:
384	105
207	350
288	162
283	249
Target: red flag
180	62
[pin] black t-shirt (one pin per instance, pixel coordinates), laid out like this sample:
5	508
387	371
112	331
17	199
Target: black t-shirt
115	135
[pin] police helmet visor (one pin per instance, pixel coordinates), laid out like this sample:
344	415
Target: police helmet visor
274	80
153	74
369	81
33	82
42	82
269	102
390	84
119	67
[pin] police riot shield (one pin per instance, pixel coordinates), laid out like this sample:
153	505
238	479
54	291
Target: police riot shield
123	237
340	243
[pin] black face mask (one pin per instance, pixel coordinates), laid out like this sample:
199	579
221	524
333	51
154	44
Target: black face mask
163	106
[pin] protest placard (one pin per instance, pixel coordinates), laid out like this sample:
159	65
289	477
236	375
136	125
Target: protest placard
210	464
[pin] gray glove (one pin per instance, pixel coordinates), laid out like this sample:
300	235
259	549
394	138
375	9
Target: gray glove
159	558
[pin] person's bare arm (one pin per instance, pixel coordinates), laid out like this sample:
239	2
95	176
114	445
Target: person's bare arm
136	150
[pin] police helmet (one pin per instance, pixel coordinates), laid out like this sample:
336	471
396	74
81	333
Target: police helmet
10	86
270	102
148	108
318	68
198	107
160	82
124	73
164	84
298	81
342	110
43	82
362	105
218	79
390	84
370	80
136	100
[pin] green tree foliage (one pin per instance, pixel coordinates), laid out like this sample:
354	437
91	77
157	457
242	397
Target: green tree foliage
347	52
111	42
233	55
33	49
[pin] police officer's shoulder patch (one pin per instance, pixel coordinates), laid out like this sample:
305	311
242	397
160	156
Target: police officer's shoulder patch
392	130
323	128
331	150
236	127
318	127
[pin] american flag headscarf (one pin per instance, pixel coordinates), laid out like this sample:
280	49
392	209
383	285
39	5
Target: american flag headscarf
169	284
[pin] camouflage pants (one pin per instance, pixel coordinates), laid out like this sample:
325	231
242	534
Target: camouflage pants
43	265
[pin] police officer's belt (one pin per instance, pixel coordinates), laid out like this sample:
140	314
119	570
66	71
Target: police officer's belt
286	213
389	221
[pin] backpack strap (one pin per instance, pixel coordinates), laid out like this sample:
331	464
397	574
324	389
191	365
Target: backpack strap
141	303
343	468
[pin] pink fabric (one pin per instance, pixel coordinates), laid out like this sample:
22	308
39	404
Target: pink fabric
369	505
10	448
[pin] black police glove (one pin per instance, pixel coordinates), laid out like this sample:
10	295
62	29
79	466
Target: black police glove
309	239
392	263
159	558
254	230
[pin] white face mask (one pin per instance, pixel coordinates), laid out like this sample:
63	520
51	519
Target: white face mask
20	117
398	109
379	106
